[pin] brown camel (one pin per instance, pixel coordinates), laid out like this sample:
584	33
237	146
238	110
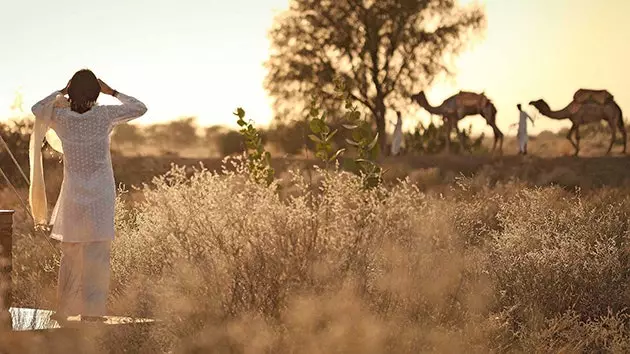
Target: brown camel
588	106
460	105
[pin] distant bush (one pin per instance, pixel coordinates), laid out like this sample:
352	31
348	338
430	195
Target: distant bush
432	140
127	134
593	129
175	134
290	137
546	134
230	143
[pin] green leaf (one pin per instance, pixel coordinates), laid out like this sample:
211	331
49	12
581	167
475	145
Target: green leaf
374	153
337	154
315	138
352	142
240	122
373	143
325	129
321	124
315	127
240	112
331	135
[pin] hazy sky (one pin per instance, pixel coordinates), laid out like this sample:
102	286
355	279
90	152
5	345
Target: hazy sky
204	57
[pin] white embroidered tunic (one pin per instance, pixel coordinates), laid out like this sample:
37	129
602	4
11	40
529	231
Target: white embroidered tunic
84	211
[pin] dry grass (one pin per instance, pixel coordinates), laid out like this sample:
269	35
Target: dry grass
452	254
497	260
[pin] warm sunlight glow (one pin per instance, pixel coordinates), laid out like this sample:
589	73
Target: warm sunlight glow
469	2
208	61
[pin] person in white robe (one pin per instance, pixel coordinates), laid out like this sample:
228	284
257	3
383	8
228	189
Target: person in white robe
398	135
522	130
83	217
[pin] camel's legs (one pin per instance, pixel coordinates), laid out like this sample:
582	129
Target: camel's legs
577	149
448	135
622	128
456	120
498	137
613	136
577	137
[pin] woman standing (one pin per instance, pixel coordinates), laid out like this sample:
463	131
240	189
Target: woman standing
83	218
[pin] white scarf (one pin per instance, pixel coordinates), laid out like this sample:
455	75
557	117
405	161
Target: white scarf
41	130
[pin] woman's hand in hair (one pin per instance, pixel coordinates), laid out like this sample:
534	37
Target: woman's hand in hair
105	88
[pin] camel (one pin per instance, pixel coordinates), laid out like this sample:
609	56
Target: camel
588	106
460	105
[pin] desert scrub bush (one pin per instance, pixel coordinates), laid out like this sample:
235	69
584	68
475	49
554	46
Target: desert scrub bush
568	333
558	252
218	246
35	262
16	134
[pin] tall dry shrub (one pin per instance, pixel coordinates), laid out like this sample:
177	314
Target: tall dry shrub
216	247
560	252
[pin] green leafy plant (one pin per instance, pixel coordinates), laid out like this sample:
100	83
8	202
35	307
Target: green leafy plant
259	160
322	135
362	139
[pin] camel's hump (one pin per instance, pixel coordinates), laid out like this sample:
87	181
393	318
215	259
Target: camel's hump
467	98
596	96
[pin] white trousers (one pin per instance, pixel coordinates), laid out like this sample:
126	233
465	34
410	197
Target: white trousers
84	278
396	142
522	140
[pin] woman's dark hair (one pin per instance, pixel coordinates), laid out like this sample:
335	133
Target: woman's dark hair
83	91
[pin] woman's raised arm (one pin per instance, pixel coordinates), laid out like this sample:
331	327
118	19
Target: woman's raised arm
38	108
131	108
